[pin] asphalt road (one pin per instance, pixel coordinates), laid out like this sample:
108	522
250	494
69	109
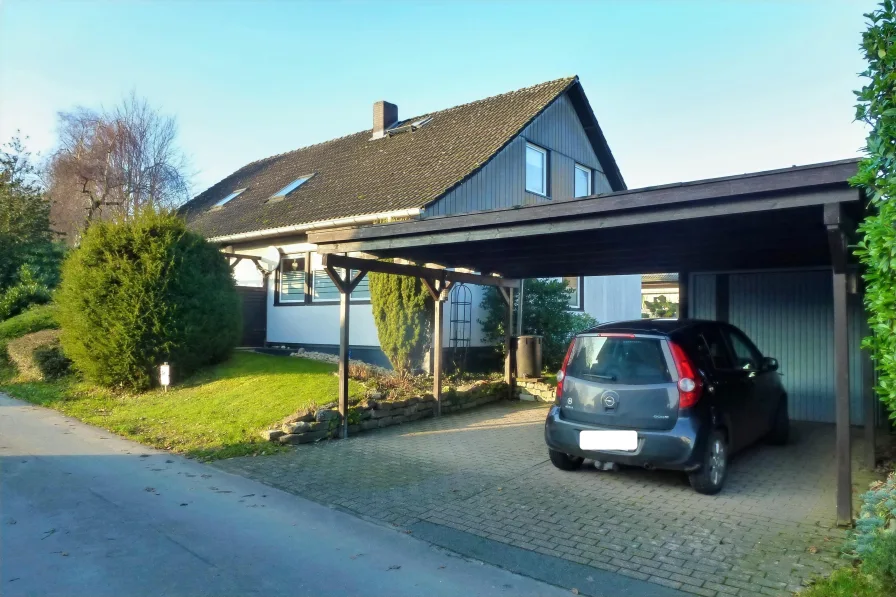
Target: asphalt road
83	512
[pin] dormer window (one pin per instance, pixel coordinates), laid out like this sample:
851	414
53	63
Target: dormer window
282	193
228	198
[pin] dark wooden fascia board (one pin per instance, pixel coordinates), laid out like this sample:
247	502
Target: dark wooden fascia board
595	220
778	181
596	136
444	276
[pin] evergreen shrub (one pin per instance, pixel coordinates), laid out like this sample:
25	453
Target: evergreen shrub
143	291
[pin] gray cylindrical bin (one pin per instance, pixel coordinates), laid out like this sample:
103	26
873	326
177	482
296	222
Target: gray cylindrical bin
528	356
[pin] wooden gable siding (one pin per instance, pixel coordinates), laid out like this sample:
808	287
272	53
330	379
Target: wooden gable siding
502	182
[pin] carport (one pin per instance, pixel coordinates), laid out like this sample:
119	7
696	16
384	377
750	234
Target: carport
791	219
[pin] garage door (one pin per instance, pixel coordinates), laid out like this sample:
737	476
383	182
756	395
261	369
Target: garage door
790	317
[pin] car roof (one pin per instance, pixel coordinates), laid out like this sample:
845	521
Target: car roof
653	326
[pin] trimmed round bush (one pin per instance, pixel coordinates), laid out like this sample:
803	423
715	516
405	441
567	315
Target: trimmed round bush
141	292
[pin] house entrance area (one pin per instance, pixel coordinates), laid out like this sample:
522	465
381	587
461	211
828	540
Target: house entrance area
484	475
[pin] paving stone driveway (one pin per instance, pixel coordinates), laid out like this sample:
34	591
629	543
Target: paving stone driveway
486	472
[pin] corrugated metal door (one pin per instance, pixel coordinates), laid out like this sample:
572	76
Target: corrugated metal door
703	296
790	317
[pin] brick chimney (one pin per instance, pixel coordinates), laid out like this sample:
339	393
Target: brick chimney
384	116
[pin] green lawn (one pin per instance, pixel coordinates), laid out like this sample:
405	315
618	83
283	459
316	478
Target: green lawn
216	414
848	582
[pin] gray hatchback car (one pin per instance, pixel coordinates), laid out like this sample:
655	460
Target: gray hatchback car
669	394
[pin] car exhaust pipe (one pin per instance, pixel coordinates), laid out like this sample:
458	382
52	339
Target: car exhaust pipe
649	466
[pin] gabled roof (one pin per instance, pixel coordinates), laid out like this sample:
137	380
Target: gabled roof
356	176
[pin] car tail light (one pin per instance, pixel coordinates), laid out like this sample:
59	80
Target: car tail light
690	386
561	375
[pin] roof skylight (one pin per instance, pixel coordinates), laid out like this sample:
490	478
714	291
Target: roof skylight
290	188
228	198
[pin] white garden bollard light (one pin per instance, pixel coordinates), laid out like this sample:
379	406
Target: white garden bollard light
165	375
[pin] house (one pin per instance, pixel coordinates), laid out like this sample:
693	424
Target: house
534	145
654	286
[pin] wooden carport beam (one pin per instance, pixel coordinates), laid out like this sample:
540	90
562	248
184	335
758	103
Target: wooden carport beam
437	281
237	257
836	227
416	271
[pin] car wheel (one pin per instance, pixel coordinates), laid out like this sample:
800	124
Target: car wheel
780	426
711	476
565	462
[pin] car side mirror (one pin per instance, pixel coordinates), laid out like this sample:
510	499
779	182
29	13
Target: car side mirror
769	364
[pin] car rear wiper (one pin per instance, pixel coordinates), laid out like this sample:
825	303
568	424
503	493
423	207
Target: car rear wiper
606	377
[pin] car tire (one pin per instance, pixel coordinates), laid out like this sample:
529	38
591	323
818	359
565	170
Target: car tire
780	426
710	478
565	462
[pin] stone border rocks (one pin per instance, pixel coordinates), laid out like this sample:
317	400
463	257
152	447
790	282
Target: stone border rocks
534	390
374	413
326	357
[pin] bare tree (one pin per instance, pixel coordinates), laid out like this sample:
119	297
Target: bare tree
112	163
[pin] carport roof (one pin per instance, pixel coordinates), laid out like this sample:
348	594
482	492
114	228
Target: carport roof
770	219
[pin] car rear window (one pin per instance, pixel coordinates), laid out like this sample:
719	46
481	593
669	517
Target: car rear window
617	359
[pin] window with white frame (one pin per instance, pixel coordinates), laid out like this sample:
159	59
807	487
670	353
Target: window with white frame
536	169
324	291
292	286
575	283
583	181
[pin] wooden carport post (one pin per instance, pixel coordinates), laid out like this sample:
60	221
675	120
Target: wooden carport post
507	293
834	221
345	283
438	289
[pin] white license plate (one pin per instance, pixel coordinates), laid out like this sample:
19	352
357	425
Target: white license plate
621	441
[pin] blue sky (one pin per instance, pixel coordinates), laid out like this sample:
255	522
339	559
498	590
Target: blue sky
682	90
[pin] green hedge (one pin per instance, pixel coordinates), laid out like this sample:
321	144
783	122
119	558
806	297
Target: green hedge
33	320
877	176
16	299
140	292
